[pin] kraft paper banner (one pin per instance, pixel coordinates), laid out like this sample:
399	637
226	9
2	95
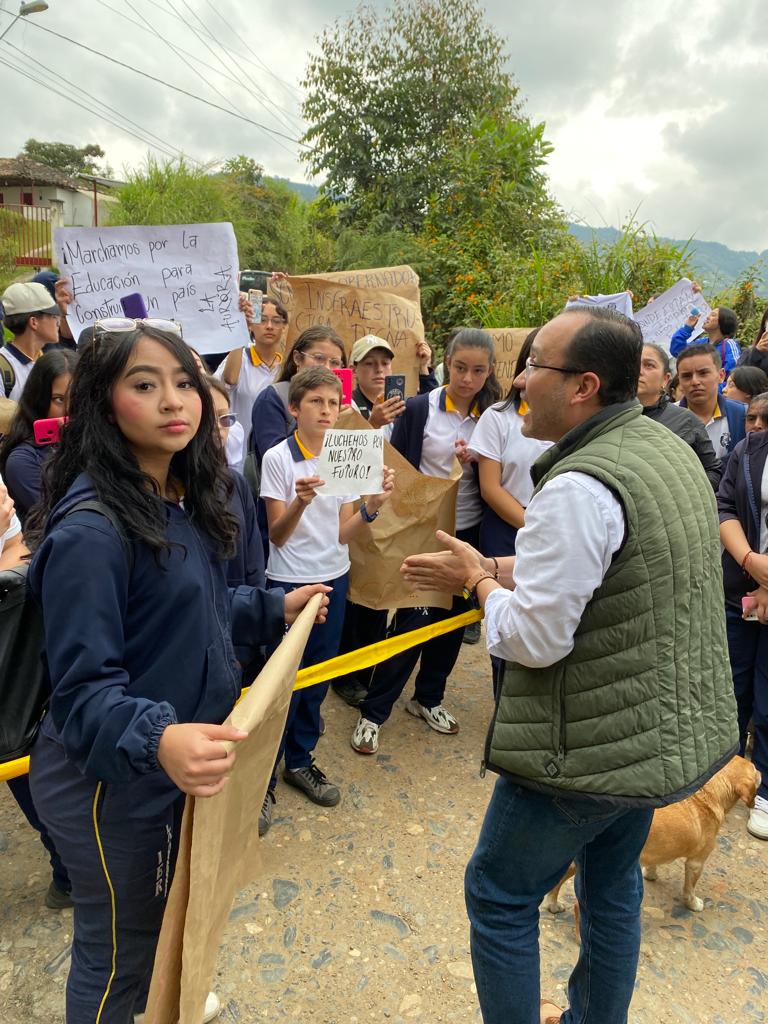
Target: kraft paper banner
508	342
219	844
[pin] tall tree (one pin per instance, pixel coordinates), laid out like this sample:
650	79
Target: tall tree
68	159
389	97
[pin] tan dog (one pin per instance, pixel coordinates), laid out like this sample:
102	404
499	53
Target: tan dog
687	829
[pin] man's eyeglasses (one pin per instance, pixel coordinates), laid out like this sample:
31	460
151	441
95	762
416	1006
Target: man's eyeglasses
227	419
531	365
272	321
320	360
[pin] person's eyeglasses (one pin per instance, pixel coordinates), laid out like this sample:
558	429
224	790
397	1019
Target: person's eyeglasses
272	321
320	360
531	365
227	419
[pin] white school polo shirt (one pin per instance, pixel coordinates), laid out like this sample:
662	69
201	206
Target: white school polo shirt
498	436
14	528
444	426
313	552
21	366
255	375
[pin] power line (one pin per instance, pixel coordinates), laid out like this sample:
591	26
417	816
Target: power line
162	144
52	88
269	103
167	85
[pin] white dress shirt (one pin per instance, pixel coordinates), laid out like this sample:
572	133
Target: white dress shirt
573	528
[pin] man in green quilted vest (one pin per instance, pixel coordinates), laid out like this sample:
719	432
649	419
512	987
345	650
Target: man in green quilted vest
617	695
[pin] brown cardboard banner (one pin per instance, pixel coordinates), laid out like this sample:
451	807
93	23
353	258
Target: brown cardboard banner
508	342
219	844
384	301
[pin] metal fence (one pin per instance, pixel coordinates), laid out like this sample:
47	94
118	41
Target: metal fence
25	234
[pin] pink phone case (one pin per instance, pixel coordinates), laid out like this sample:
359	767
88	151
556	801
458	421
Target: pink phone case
748	609
345	376
47	431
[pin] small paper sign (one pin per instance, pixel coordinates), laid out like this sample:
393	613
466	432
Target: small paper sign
352	462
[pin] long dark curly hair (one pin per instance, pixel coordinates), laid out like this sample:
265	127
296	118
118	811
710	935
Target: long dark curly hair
35	400
92	443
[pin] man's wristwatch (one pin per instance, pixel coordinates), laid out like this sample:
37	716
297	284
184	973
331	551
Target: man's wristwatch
471	584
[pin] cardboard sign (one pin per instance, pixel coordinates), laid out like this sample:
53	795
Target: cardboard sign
184	272
661	318
385	302
508	342
352	462
620	301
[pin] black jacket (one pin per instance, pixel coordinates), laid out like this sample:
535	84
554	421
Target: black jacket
690	429
739	497
752	356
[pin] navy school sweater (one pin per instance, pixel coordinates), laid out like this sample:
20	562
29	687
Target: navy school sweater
132	645
24	474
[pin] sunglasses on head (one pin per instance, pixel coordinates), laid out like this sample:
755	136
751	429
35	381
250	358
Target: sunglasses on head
119	324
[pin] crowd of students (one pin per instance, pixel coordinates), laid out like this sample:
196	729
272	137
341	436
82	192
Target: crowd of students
201	567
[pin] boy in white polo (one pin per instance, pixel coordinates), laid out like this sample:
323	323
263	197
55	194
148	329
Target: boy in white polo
33	318
308	536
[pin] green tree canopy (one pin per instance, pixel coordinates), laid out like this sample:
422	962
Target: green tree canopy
68	159
389	96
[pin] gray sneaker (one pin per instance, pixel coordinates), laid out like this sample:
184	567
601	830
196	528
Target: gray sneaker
265	817
313	783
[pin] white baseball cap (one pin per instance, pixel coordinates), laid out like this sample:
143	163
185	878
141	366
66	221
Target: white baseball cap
25	299
367	344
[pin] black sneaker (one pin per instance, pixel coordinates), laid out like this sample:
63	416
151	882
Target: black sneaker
350	692
313	783
471	633
265	817
57	899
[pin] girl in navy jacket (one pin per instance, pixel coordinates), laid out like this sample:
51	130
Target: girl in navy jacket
139	626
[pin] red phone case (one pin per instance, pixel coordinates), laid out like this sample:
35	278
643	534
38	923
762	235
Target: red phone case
345	376
47	431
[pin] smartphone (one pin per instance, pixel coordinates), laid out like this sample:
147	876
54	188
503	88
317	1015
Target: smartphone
345	376
134	306
394	386
256	297
748	612
47	431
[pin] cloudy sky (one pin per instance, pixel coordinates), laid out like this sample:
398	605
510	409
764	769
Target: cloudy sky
658	106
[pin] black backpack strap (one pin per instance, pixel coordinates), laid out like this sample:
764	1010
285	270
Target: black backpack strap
8	375
91	505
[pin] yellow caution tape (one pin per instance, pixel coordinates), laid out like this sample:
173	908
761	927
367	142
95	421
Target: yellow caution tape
365	657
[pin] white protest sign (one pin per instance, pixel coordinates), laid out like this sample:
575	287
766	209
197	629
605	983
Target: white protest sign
620	301
352	462
661	318
184	272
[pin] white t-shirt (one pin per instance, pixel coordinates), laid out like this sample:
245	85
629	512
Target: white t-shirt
498	436
764	511
235	447
21	366
443	428
255	375
313	552
13	530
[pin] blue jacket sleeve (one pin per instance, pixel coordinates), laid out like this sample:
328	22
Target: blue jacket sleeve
732	356
107	733
23	478
399	438
268	422
726	492
427	382
679	339
258	616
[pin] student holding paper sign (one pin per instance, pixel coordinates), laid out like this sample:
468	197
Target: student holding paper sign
308	535
435	430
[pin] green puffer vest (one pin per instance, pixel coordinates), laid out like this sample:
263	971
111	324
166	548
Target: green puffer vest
642	710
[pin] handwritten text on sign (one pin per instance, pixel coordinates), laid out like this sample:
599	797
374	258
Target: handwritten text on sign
661	318
184	272
352	462
508	341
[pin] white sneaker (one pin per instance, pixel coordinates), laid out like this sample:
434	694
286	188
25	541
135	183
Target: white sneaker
211	1011
438	718
365	738
757	825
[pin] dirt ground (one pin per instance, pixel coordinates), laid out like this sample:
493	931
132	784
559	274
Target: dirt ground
360	917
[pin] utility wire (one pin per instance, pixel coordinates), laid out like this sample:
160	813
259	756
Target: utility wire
52	88
161	144
269	103
167	85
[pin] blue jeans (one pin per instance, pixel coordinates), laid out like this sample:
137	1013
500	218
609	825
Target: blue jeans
527	841
748	653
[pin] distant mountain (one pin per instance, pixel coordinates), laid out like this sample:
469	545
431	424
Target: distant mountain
716	265
307	192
